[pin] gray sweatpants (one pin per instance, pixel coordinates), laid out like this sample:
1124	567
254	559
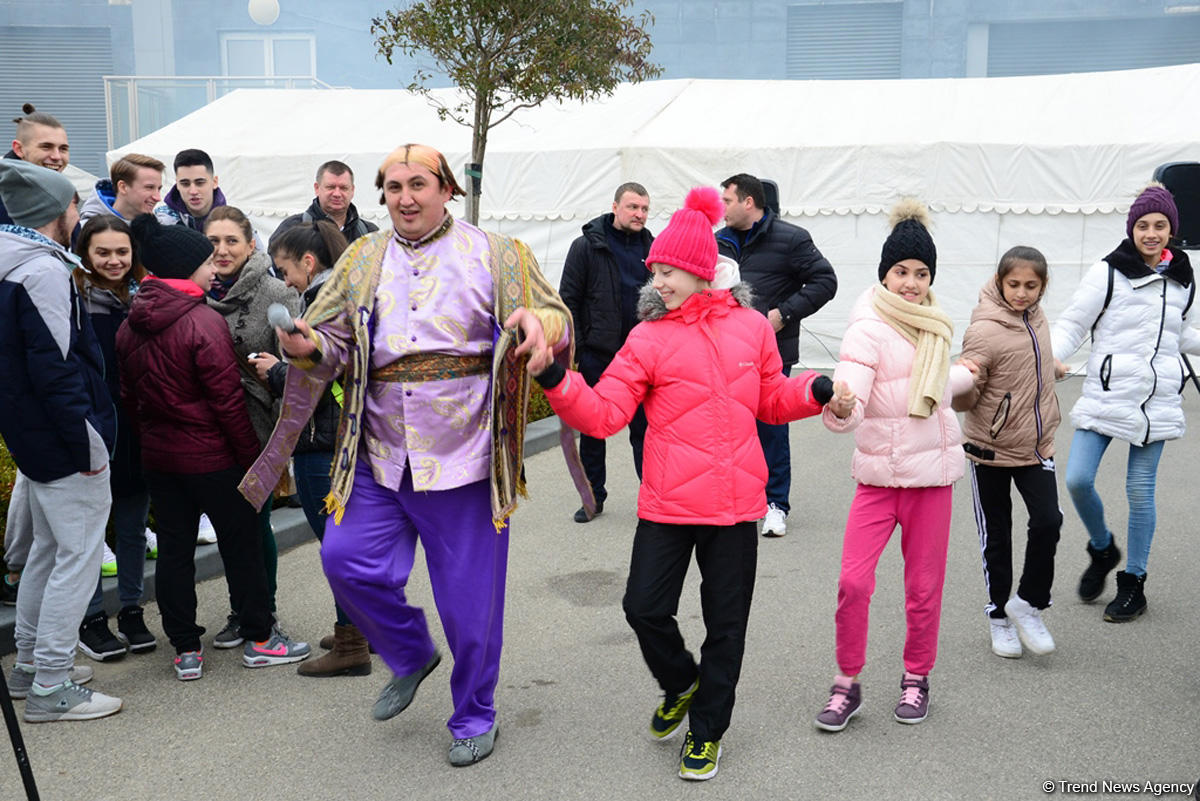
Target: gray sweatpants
68	518
18	530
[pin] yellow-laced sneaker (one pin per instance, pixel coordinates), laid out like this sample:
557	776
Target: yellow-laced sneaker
108	562
698	759
671	712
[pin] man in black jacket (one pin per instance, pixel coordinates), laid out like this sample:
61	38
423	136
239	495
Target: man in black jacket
601	277
335	191
791	280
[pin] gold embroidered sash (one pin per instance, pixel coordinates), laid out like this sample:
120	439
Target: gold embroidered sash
433	367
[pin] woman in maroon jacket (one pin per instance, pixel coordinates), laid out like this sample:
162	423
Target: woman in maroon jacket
180	382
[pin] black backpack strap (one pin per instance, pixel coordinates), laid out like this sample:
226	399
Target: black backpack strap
1108	299
1191	296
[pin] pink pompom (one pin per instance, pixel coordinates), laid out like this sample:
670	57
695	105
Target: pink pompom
707	201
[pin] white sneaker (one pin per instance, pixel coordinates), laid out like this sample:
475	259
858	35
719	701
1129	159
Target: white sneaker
1005	641
1030	627
108	562
207	535
775	523
151	544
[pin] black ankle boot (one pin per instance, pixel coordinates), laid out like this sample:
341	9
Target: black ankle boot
1091	583
1131	598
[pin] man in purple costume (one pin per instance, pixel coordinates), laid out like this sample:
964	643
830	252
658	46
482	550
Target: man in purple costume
430	438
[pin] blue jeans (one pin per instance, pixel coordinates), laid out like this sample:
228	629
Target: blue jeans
777	450
1087	448
129	526
312	485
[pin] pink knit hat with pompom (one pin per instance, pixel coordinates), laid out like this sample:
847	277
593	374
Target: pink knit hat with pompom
688	242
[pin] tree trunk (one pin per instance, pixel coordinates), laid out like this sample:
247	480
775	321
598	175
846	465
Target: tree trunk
479	135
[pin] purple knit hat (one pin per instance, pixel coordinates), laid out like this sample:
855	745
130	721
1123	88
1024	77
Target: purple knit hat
1152	199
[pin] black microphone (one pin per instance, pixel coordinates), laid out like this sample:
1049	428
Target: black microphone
279	316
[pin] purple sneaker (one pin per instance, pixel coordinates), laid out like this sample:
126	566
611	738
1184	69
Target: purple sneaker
844	702
914	699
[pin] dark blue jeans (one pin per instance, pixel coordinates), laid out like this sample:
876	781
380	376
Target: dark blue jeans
777	450
312	485
129	528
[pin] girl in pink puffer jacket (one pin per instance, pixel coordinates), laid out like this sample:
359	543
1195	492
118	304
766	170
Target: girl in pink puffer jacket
705	366
895	357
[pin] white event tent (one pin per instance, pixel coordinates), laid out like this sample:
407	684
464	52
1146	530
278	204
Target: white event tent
1049	161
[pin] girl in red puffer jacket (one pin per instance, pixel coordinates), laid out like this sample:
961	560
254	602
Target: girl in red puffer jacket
705	365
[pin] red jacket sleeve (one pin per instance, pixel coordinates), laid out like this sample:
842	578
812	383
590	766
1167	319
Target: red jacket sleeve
606	408
785	399
782	399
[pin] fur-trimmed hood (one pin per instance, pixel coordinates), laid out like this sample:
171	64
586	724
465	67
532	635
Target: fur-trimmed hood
651	307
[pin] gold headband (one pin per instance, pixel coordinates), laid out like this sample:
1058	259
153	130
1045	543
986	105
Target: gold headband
424	156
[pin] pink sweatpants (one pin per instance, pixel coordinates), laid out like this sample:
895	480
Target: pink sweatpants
923	514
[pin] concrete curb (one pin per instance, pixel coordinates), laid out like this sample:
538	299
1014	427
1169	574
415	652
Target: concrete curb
291	529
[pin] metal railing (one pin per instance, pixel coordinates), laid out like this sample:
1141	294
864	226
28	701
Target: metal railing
136	105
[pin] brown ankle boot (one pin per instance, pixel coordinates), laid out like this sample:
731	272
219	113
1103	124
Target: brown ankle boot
327	642
349	656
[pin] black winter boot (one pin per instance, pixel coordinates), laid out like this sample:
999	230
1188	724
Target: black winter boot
1091	583
1130	601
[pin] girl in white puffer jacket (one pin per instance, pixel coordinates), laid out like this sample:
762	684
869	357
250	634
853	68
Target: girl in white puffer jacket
1135	303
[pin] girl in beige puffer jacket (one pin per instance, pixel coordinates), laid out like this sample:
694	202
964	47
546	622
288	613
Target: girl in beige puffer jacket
1012	415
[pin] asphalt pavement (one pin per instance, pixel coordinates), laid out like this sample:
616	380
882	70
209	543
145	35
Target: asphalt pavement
1115	704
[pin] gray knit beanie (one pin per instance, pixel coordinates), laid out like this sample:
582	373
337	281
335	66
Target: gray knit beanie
33	195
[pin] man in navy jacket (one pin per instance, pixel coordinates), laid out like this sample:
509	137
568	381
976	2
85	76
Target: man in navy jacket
58	421
791	280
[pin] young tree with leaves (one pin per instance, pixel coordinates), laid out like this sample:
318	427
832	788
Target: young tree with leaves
506	55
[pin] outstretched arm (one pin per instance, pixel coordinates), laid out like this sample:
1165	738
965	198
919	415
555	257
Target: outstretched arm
1075	323
604	409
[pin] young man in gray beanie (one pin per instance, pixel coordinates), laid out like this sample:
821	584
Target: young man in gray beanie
57	420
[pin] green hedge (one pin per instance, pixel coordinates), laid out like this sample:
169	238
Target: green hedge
8	474
539	407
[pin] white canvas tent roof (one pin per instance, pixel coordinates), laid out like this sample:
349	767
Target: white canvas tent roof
1050	161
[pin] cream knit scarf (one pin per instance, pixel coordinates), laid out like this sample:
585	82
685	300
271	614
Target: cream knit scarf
928	328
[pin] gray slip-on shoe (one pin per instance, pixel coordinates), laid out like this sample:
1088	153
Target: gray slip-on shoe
469	750
398	693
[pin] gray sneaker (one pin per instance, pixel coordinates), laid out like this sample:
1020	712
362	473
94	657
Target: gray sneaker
20	681
278	649
469	750
398	693
69	702
189	665
229	637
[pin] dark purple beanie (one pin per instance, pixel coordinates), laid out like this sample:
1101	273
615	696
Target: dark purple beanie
1152	199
